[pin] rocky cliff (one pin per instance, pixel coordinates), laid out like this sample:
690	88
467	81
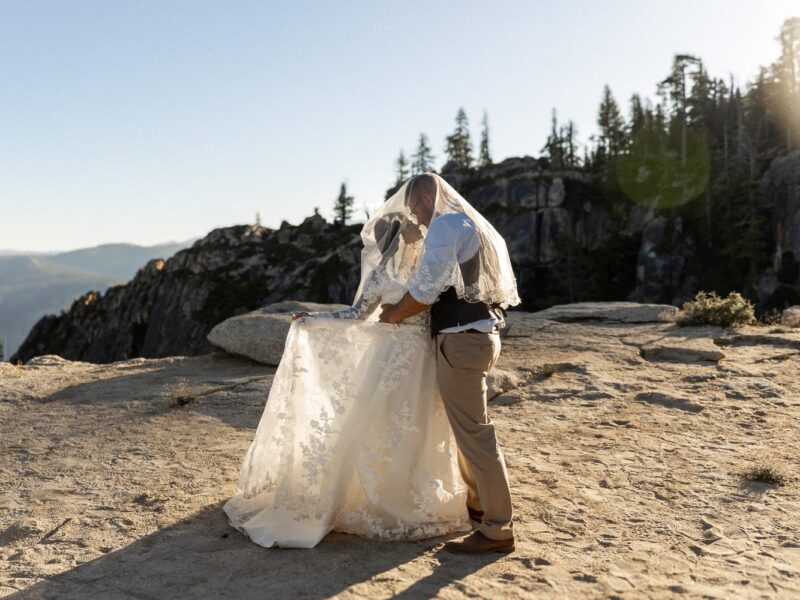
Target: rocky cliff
571	239
779	285
169	307
568	238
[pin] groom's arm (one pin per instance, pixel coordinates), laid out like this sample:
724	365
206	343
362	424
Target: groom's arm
408	306
440	249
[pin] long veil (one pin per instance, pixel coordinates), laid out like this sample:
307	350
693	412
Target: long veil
491	276
393	247
393	243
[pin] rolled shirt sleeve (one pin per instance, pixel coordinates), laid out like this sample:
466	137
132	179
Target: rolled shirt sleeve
447	239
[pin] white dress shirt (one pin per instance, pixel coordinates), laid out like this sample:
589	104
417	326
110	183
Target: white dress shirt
446	232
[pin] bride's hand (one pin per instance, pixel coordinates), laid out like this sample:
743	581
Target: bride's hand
297	315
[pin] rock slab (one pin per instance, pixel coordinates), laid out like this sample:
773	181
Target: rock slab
682	350
617	312
261	334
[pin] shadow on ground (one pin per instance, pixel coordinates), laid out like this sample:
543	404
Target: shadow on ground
203	557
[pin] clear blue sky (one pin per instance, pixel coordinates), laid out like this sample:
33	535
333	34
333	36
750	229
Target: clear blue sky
149	121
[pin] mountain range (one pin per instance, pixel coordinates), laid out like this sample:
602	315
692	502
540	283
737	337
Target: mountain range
34	284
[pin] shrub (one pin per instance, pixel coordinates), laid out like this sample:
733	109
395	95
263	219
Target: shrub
770	472
771	317
709	309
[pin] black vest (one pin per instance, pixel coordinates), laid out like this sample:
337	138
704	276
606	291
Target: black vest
449	310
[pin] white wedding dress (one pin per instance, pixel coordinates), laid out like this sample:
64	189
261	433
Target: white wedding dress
354	436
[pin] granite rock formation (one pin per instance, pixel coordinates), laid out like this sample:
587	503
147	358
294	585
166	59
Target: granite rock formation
569	238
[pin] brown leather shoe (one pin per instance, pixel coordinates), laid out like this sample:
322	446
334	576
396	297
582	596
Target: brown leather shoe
477	543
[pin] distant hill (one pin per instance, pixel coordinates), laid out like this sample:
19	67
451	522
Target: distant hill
36	284
117	260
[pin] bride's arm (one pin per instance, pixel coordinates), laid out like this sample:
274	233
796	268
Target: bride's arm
367	302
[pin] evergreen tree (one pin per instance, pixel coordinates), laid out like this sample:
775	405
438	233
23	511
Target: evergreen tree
569	134
562	145
459	145
484	159
612	126
637	118
673	91
402	168
343	208
554	146
423	158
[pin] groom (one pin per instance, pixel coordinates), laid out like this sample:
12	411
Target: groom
468	346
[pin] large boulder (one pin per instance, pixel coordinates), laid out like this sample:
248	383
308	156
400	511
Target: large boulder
617	312
791	317
261	334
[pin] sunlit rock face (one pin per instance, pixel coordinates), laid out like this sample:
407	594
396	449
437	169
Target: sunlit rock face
780	285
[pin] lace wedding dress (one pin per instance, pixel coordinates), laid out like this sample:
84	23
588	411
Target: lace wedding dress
354	436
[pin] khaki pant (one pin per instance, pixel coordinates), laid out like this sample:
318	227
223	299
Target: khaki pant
462	363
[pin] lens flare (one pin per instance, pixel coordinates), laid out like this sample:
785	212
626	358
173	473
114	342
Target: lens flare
665	174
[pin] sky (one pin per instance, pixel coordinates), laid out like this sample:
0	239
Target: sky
149	121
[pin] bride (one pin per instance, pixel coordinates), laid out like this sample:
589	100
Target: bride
354	437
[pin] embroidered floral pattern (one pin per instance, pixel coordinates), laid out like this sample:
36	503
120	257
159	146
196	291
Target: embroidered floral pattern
343	444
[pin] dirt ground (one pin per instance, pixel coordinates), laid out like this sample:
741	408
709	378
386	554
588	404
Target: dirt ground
626	476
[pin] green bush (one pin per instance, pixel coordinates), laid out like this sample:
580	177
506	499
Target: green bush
709	309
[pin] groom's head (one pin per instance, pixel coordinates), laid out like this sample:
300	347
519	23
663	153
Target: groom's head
421	197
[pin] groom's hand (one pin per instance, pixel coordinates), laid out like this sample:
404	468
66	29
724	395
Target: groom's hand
386	315
394	313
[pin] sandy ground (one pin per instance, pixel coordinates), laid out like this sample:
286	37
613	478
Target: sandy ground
624	473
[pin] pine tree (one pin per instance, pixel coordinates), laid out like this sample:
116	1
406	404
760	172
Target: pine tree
459	145
402	168
423	158
554	146
484	158
637	118
675	95
343	208
612	125
569	134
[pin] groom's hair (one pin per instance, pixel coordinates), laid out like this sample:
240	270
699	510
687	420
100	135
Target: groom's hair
424	182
